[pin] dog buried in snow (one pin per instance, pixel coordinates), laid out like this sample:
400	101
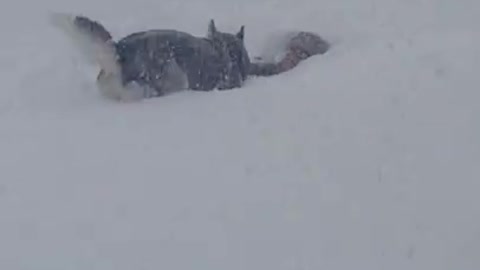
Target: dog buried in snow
156	62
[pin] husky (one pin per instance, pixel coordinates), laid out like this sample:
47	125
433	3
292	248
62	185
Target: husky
153	63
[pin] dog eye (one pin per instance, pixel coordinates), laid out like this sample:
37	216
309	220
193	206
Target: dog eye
234	55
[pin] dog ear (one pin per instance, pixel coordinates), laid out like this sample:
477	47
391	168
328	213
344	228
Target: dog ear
212	29
241	33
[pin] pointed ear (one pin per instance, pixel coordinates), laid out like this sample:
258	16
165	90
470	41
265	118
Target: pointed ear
241	33
212	29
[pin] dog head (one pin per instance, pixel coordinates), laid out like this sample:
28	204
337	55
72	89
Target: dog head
234	53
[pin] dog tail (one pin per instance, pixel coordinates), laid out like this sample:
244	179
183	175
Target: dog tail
98	48
91	38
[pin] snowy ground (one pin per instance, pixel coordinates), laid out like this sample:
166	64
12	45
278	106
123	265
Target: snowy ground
365	158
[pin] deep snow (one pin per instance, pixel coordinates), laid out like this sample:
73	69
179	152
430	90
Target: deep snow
364	158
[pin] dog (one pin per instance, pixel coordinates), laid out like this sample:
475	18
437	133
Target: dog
153	63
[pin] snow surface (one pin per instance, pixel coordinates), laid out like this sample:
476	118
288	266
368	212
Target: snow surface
367	157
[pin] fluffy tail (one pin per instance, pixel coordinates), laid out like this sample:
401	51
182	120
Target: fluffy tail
300	46
91	38
98	47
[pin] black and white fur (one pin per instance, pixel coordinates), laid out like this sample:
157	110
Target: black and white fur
156	62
